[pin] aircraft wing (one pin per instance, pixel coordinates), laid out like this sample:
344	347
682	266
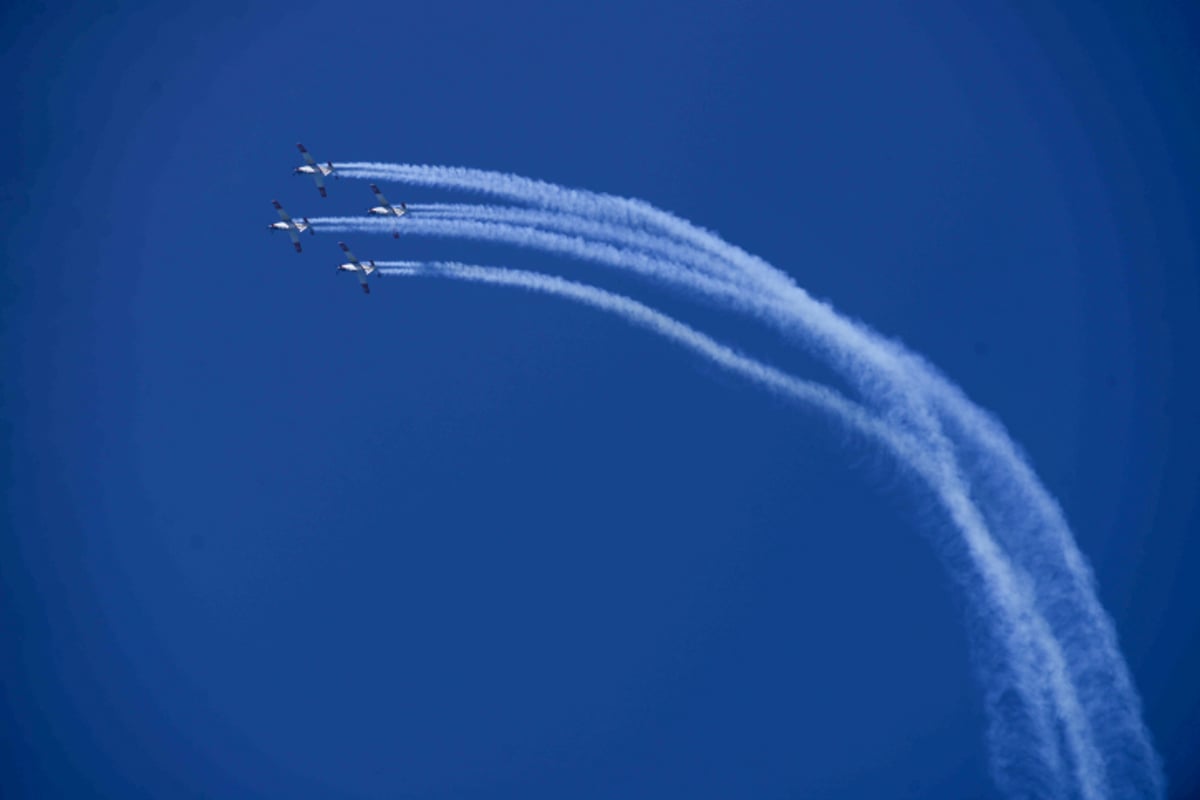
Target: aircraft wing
283	215
295	239
353	259
320	183
308	159
379	197
362	278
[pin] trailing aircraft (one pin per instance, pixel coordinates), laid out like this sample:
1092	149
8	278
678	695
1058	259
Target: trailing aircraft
357	267
293	228
317	171
386	209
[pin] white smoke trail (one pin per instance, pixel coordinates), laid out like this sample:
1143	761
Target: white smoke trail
867	358
1033	655
598	252
822	397
1005	741
584	227
626	212
1068	598
859	355
1038	537
1075	607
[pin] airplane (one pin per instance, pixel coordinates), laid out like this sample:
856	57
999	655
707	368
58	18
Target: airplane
293	228
386	209
360	269
311	167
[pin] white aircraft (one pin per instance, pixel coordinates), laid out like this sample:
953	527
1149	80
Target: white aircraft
386	209
357	267
311	167
291	226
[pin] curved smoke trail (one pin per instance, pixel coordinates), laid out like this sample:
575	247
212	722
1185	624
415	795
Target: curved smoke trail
1014	728
859	354
705	284
1021	511
578	226
1107	743
1029	648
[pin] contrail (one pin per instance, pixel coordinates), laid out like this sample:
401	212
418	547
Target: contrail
857	353
627	212
852	347
576	225
1075	610
1019	509
708	283
856	417
1037	663
1004	740
1088	764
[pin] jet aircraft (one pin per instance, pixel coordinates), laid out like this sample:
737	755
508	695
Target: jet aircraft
357	267
386	209
317	171
291	226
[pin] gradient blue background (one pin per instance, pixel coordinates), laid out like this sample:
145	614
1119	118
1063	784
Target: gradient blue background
266	536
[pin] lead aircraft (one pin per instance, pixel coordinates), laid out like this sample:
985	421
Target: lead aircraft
357	267
386	209
310	167
291	226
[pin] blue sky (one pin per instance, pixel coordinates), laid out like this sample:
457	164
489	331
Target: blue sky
266	536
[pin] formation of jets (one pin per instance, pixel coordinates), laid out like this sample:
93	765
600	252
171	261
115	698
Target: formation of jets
319	172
